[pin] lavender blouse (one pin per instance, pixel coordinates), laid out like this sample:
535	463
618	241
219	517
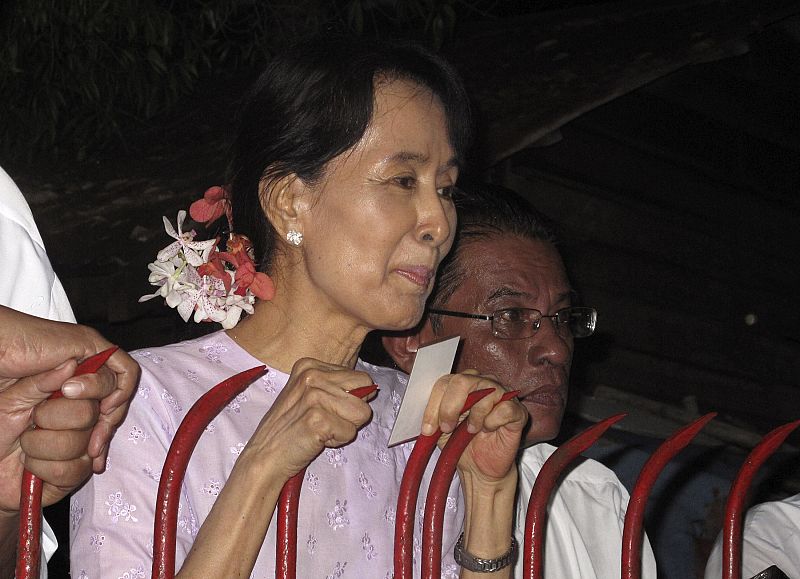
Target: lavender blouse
348	500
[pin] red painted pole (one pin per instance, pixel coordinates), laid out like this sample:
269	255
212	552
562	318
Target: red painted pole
632	534
734	509
409	491
436	500
536	518
30	508
288	507
169	487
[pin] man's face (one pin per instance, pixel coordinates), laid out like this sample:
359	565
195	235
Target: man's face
506	271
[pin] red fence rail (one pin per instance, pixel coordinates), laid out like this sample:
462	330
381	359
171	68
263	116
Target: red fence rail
210	404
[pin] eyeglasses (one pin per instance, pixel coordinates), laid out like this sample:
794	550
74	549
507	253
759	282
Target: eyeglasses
520	323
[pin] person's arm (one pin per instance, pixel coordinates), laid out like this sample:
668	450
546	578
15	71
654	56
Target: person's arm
487	468
37	358
313	412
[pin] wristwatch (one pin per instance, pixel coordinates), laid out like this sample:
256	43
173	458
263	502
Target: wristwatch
472	563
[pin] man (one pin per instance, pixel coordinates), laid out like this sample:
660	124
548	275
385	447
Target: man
505	291
38	357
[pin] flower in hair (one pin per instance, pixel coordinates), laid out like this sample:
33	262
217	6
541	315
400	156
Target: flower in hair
214	204
201	281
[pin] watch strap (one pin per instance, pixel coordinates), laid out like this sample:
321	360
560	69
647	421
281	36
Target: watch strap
478	565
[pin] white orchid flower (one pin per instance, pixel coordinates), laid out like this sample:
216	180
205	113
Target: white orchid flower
195	252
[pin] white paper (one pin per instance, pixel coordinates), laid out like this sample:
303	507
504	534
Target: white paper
431	363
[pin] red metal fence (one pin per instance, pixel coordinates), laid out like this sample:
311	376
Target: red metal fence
210	404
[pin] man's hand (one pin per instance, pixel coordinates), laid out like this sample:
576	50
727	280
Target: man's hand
39	357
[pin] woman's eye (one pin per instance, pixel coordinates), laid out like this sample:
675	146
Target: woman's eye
447	192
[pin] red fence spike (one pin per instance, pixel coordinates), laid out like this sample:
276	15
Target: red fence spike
363	391
30	508
734	509
200	414
536	518
632	534
406	503
436	500
409	491
93	363
288	507
286	544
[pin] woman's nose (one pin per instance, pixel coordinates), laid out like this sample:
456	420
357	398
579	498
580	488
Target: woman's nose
436	218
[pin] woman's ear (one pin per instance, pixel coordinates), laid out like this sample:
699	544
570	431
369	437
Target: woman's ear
283	201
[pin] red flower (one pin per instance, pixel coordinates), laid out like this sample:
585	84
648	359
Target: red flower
257	282
215	203
216	268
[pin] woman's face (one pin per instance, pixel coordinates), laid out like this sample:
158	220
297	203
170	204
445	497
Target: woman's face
379	222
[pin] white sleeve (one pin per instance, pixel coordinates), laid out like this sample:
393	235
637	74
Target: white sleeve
771	536
28	283
49	546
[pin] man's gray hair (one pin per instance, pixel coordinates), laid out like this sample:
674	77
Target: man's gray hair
484	211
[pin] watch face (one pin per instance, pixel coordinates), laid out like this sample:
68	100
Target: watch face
771	573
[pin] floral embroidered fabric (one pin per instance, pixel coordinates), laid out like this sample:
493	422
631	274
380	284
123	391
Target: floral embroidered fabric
349	494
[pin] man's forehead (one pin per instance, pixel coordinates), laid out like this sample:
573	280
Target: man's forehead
499	266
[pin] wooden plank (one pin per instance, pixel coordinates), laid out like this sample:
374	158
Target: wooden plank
765	112
597	215
550	67
766	403
713	148
670	333
701	203
639	277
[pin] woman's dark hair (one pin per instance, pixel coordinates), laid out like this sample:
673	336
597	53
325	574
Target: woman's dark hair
315	102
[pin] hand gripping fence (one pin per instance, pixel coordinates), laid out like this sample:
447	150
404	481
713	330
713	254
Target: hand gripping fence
30	508
211	403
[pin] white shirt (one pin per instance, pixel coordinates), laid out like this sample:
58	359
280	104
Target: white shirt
771	537
348	499
28	283
586	517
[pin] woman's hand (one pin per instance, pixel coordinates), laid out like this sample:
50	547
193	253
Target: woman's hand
313	412
498	429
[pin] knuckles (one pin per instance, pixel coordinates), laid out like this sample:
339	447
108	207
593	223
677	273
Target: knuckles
63	414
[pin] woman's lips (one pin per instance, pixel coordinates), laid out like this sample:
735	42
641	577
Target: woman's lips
552	396
419	275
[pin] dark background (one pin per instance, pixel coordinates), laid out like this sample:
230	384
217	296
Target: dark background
663	137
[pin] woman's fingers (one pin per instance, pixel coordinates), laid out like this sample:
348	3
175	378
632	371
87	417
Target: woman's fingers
448	397
340	403
510	414
314	411
330	429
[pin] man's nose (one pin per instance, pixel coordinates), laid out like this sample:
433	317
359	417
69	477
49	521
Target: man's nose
550	346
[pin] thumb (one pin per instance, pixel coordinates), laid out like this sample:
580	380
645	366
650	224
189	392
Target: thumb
29	391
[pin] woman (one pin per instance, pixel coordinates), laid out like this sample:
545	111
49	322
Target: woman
342	177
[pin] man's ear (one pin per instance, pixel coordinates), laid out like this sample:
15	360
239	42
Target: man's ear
402	347
283	201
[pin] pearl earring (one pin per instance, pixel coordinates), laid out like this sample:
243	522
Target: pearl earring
294	237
